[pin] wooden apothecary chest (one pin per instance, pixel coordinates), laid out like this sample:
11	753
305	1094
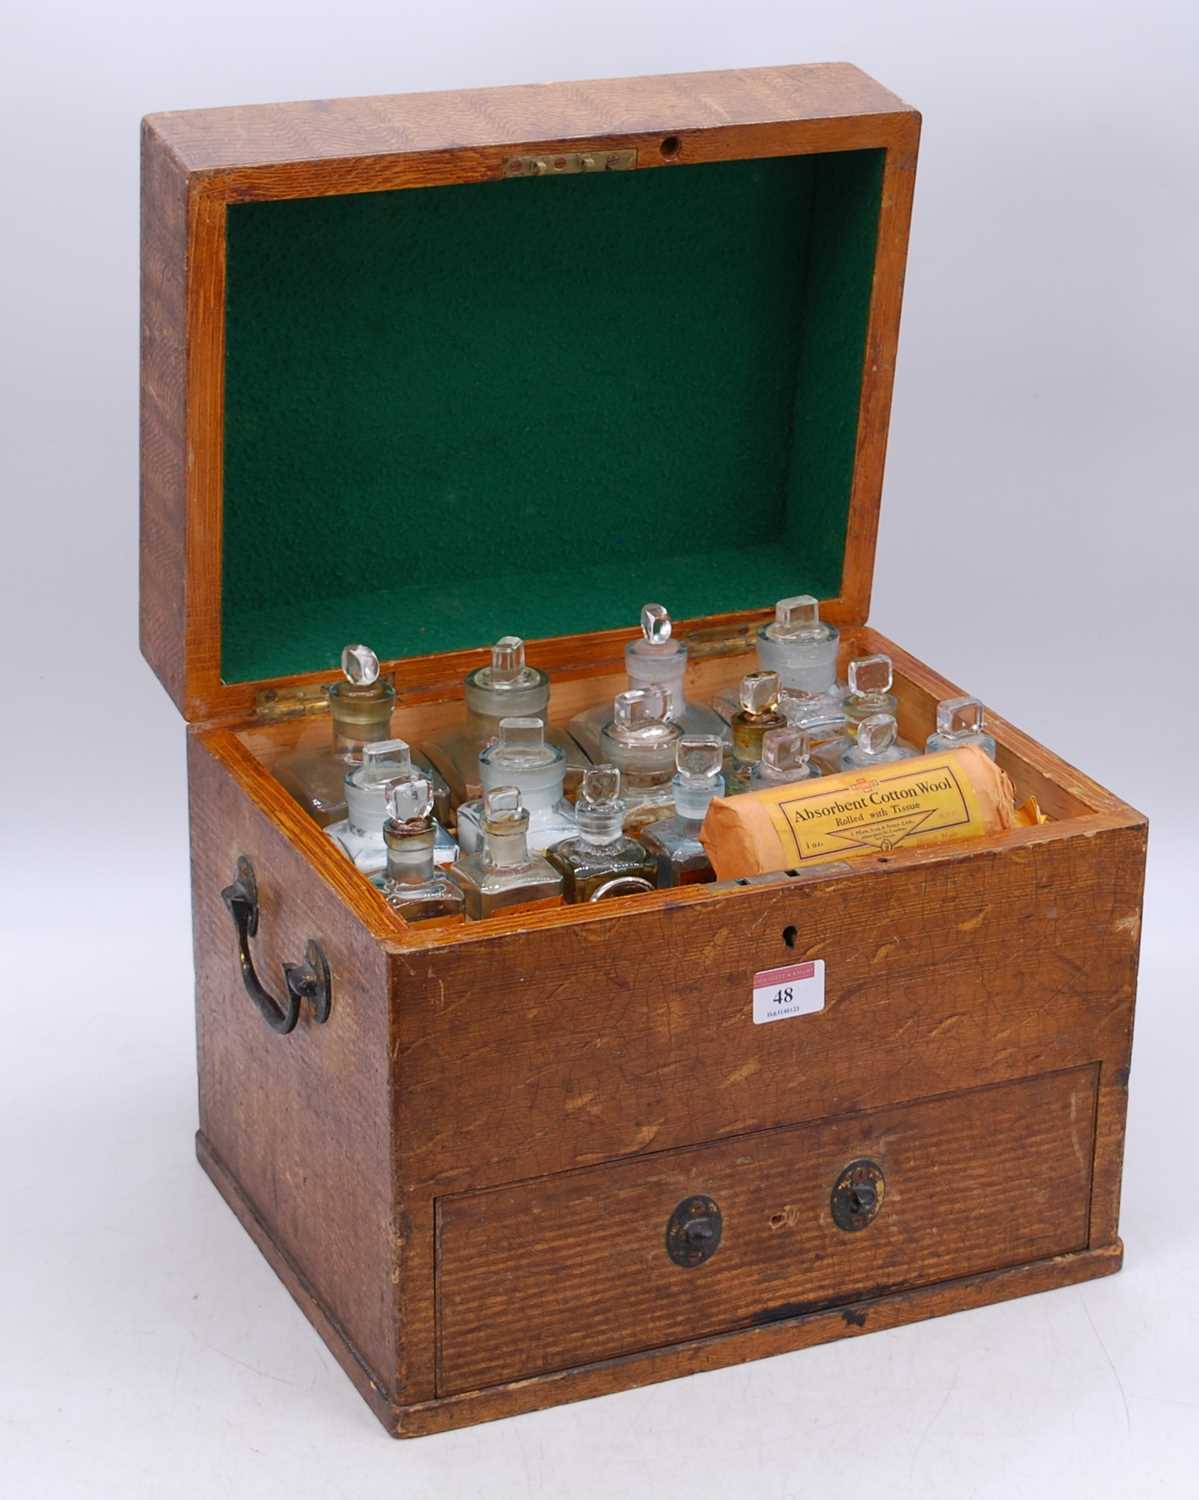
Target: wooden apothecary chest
400	386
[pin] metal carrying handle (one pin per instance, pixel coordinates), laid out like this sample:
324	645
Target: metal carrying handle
310	981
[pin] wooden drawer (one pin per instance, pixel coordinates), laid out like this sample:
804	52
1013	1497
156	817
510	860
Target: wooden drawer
542	1276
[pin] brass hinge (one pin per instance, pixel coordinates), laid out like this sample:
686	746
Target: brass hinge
292	702
562	163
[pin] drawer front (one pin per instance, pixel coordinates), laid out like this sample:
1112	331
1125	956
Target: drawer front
542	1276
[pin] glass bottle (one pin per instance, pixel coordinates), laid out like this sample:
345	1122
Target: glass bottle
411	882
521	757
960	722
502	872
802	648
640	741
600	860
361	708
870	679
674	841
759	712
657	659
359	834
507	687
786	756
877	743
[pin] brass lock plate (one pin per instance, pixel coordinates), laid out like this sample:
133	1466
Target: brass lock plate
564	163
858	1195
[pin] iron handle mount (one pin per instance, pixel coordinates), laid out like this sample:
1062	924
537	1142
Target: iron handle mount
309	982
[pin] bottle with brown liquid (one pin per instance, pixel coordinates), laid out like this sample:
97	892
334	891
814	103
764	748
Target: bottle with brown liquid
601	861
674	841
759	712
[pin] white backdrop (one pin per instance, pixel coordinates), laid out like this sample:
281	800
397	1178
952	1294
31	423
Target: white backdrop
1037	544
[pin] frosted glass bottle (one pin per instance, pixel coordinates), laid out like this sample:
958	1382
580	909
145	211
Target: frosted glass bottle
503	872
674	841
657	659
521	757
640	741
802	648
759	712
360	708
600	861
960	722
410	881
877	744
359	835
508	687
786	756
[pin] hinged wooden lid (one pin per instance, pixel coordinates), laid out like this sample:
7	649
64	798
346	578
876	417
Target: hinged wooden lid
427	419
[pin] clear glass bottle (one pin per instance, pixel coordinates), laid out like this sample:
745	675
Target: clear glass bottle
600	860
503	872
786	756
359	835
361	708
674	841
960	722
802	648
870	679
657	659
521	757
758	713
411	882
508	687
640	741
877	743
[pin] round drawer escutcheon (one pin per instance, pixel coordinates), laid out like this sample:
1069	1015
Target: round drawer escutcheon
858	1195
693	1231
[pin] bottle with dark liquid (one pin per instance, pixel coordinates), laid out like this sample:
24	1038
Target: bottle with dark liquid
601	861
674	841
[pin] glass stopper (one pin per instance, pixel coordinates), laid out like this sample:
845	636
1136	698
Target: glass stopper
639	706
410	800
759	692
877	734
699	756
785	750
503	808
870	674
600	784
507	658
958	717
381	760
655	624
526	735
798	619
361	665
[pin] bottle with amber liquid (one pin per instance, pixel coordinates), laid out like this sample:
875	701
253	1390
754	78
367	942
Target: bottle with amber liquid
411	882
759	712
674	841
361	708
601	861
503	872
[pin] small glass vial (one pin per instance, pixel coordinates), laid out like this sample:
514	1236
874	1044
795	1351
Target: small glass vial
759	712
502	872
521	757
657	659
674	841
360	833
361	708
411	882
600	860
870	679
878	742
507	687
960	722
641	741
786	756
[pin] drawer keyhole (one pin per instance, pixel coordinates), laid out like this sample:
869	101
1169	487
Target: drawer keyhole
858	1195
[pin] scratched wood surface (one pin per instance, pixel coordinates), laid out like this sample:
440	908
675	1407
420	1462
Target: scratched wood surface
573	1269
194	163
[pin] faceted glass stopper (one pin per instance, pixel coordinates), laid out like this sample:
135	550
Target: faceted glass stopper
410	800
523	736
655	624
600	784
638	706
877	734
870	674
361	665
798	619
785	750
959	717
759	692
382	760
503	810
699	756
507	659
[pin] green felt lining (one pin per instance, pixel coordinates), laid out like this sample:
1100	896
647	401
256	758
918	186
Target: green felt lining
529	406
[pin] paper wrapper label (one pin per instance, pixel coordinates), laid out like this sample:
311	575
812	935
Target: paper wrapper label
953	795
